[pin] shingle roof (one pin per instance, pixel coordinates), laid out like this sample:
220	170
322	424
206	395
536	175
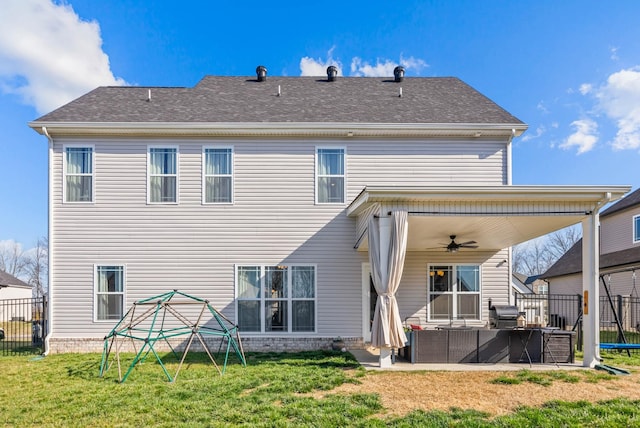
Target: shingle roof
430	100
631	200
7	280
571	261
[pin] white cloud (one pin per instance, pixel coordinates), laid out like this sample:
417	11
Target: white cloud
584	137
541	107
318	67
49	55
614	53
585	88
382	68
619	98
540	130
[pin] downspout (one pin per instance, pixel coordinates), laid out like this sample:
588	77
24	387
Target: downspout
510	159
50	257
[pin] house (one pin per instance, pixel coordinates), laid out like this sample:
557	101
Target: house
619	253
288	201
12	293
519	285
619	261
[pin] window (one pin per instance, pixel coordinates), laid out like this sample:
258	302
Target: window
636	229
163	175
454	292
109	292
78	172
330	175
218	175
276	298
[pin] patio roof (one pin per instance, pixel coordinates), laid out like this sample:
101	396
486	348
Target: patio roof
496	217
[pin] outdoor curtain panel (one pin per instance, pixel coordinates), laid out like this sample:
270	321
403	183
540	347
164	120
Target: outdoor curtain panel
387	330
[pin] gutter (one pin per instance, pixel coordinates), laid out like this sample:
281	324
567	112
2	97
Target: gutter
50	253
280	129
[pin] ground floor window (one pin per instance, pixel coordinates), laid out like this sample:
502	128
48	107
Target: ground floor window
453	292
276	298
109	292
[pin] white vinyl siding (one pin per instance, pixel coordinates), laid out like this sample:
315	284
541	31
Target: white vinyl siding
618	230
276	298
330	175
163	175
217	175
273	221
78	174
109	286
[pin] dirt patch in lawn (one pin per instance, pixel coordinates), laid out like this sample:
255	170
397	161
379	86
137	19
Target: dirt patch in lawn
403	392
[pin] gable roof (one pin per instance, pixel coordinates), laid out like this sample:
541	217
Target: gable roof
629	201
215	99
571	261
7	280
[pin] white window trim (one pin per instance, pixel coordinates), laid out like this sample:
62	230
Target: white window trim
289	299
454	293
177	175
95	290
204	175
93	172
317	176
636	229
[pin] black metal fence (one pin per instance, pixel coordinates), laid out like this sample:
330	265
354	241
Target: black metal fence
23	326
563	311
619	316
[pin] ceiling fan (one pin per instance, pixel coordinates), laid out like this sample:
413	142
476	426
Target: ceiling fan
453	246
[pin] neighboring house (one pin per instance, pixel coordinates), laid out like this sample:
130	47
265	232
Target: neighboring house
260	195
12	288
519	285
619	253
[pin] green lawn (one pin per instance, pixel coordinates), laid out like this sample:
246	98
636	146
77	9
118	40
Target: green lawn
65	390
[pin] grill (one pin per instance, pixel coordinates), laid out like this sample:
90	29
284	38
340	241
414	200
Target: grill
503	316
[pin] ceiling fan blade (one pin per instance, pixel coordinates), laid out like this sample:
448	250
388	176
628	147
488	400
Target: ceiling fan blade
468	246
468	243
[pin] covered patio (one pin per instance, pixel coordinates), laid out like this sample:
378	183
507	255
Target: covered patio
391	221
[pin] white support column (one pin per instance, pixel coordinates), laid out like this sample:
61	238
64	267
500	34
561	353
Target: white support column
384	223
591	289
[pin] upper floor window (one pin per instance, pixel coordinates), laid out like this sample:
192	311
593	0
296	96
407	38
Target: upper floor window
454	292
78	174
163	175
218	175
109	292
330	176
636	229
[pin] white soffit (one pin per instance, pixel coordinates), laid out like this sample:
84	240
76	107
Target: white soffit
495	217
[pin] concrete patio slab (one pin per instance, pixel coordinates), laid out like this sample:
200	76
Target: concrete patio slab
369	359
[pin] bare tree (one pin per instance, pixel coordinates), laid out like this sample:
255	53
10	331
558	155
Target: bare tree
38	267
12	259
536	256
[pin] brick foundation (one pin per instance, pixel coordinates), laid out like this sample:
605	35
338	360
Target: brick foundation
249	344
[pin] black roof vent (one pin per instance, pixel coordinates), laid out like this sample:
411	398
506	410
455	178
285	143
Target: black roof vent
398	73
332	73
261	71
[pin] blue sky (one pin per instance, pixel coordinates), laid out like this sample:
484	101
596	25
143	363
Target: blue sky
569	69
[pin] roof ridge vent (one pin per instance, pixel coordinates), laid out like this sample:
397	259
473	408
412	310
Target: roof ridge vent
398	73
332	73
261	71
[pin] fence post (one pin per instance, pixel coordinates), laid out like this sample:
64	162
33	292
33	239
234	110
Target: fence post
579	321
